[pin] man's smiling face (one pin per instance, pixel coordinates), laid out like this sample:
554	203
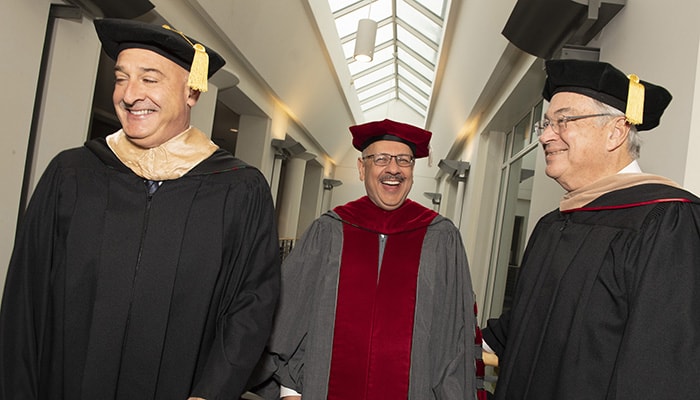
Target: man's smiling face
387	186
151	97
577	155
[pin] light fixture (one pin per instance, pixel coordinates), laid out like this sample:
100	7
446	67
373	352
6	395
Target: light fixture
364	40
435	197
287	148
456	169
329	184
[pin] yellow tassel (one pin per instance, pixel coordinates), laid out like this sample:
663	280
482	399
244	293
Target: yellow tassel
199	69
635	101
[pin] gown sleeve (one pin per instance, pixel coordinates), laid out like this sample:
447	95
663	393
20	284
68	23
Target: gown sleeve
496	333
659	356
25	306
247	308
284	361
455	332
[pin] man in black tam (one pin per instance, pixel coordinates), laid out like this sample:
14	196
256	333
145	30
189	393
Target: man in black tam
607	297
147	264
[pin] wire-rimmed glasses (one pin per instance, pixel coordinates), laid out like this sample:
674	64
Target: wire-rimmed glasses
383	159
560	124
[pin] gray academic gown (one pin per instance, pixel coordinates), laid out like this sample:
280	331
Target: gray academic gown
443	348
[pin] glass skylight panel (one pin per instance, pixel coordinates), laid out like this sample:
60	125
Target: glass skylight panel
418	96
422	89
337	5
364	80
415	106
414	64
416	44
380	57
378	10
375	90
418	21
421	83
437	7
347	24
385	33
417	83
357	67
379	100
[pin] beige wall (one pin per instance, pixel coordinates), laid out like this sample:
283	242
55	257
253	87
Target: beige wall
692	167
20	68
658	41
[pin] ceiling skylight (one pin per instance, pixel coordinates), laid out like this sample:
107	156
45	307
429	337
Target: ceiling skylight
408	39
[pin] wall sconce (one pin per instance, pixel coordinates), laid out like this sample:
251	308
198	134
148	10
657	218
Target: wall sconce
287	148
456	169
365	40
435	198
329	184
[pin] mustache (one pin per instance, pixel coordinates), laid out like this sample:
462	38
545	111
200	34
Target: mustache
392	177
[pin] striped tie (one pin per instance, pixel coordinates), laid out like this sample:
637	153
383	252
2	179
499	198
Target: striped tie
152	186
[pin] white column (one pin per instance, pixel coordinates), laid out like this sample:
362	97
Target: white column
70	84
275	179
291	198
459	201
310	205
202	114
253	143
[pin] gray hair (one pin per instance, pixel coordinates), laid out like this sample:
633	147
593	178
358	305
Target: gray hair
634	142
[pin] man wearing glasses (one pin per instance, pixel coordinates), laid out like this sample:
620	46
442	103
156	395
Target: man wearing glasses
377	299
606	306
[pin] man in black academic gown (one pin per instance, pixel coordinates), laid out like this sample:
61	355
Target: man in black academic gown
147	265
377	301
606	306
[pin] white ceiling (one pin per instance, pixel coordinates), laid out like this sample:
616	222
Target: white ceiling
293	49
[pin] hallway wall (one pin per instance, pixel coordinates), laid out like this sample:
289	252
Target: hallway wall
659	43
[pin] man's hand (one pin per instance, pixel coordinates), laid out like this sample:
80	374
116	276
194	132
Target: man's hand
489	358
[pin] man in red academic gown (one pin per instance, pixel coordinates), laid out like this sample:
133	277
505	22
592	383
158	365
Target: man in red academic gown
377	300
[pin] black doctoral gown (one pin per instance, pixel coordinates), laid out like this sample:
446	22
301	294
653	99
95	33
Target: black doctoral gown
607	304
115	294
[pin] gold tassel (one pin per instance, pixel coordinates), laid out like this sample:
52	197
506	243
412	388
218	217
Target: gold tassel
199	69
635	101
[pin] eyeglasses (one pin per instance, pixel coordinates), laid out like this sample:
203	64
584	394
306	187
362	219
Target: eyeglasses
559	125
384	159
